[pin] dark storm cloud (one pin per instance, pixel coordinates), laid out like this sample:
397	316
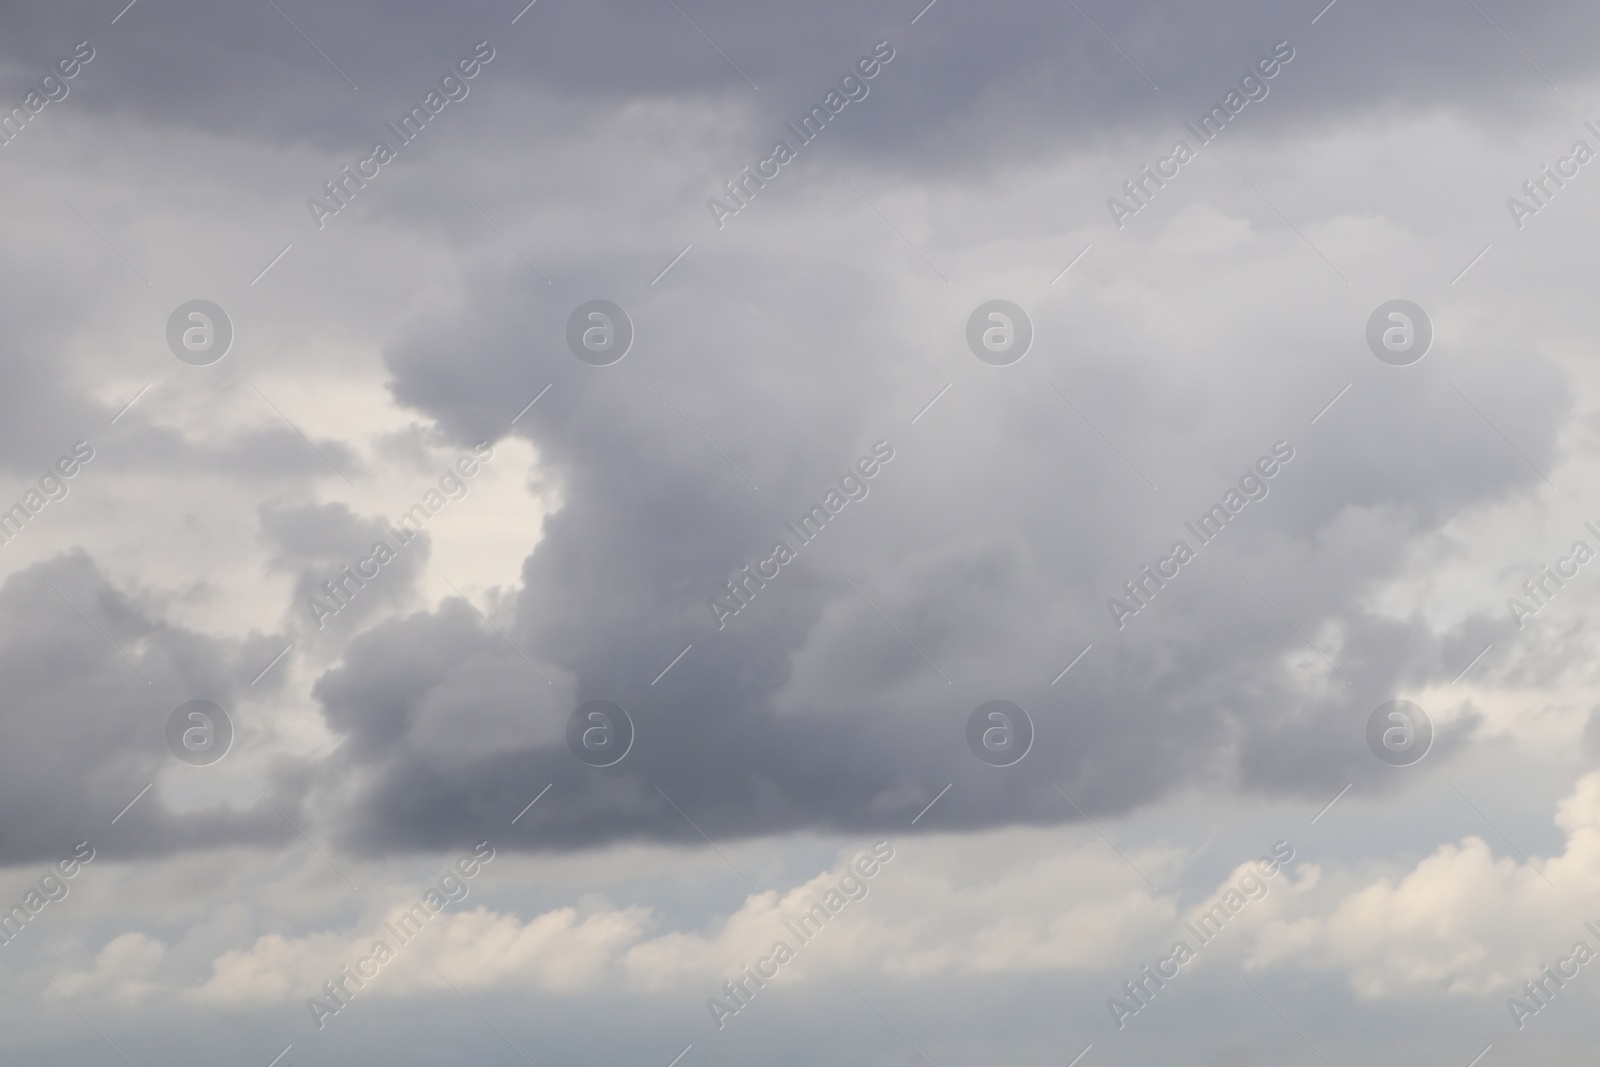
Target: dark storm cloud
994	537
86	731
992	540
997	74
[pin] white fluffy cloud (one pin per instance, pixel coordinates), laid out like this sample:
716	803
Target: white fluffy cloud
1462	921
1021	901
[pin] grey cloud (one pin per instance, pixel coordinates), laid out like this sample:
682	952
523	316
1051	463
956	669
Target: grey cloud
327	543
87	731
986	73
993	552
776	351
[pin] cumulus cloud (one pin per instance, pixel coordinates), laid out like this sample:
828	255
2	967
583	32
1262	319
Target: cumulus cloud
914	918
93	673
1225	320
1461	922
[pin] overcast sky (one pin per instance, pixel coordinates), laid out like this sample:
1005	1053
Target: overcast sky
559	491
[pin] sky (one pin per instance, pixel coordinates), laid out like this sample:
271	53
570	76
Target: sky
684	533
